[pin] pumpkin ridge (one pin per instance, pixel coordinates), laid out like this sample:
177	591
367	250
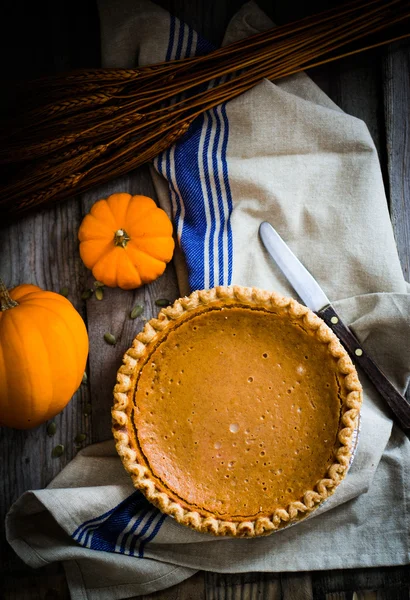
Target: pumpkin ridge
146	254
150	237
19	297
104	249
115	217
101	211
131	264
13	325
71	334
141	212
45	295
111	253
106	232
135	219
156	224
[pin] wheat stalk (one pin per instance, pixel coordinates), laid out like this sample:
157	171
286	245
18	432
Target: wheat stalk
92	125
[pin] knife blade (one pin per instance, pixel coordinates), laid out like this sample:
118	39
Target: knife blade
314	298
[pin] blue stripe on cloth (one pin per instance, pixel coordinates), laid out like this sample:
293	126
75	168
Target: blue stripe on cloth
114	534
186	194
174	197
227	224
143	531
151	536
189	184
81	529
219	199
130	526
105	534
129	535
207	177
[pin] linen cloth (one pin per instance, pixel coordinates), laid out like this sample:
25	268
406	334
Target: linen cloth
285	153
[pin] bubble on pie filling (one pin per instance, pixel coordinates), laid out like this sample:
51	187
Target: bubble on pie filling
234	427
300	370
217	445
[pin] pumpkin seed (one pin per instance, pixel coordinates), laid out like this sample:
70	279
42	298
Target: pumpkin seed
88	409
85	378
58	451
162	302
87	294
98	284
64	292
51	428
80	437
136	311
110	338
99	294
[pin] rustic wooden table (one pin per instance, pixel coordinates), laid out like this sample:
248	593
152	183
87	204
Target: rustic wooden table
43	249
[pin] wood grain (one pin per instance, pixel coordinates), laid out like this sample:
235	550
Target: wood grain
396	87
244	586
43	249
112	313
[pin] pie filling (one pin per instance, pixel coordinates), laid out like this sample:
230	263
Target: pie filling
236	412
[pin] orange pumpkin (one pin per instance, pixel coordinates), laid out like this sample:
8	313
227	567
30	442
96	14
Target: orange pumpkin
43	353
126	241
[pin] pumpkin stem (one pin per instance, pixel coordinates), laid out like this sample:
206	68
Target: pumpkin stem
121	238
6	301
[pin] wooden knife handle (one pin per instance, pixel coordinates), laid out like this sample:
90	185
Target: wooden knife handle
398	403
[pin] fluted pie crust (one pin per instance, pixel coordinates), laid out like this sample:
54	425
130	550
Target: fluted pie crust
143	415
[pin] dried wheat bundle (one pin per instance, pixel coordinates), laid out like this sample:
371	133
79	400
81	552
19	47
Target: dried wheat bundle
80	129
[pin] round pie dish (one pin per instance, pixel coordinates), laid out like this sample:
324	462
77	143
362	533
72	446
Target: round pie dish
236	411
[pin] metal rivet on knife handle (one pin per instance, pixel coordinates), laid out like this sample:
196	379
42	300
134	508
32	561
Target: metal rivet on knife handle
334	320
358	351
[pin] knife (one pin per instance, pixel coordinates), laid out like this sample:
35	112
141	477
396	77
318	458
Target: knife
314	297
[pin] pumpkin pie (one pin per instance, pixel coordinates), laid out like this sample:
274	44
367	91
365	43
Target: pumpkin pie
236	411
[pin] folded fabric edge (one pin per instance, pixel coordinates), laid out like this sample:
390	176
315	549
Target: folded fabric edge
80	591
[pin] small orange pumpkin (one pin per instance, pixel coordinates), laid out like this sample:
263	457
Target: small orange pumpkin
43	353
126	241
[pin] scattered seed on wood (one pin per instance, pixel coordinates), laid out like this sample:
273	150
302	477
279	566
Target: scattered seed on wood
51	428
80	437
87	409
58	451
64	292
98	284
87	294
110	338
162	302
136	311
85	378
99	294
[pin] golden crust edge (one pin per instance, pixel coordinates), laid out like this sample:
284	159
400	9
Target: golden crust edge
348	423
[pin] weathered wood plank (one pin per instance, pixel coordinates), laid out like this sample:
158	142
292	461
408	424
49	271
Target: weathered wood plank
112	313
296	586
48	583
355	86
390	579
41	249
244	586
396	86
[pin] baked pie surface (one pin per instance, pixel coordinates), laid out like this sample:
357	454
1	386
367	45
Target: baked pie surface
235	411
